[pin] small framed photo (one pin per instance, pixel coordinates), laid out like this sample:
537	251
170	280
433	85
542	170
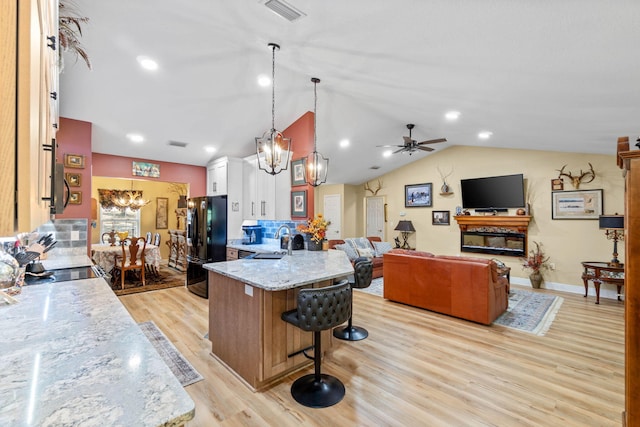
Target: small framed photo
75	198
299	204
297	172
557	184
440	218
578	204
418	195
73	179
74	161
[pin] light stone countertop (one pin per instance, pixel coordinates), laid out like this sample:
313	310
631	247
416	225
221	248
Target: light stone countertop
269	246
301	268
57	263
70	354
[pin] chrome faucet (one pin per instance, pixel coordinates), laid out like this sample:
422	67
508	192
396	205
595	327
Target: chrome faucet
290	242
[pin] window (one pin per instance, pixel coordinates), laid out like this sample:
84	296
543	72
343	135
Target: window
120	220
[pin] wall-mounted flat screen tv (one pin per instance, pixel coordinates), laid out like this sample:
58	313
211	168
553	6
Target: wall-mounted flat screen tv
493	193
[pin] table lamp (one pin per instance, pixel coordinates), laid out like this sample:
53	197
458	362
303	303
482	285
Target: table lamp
405	227
614	230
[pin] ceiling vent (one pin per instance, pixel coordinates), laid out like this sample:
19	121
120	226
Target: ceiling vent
280	8
178	144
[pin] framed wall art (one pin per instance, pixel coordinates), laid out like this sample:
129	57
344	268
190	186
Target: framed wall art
557	184
297	172
440	218
578	204
162	212
146	169
418	195
74	161
299	204
75	198
73	179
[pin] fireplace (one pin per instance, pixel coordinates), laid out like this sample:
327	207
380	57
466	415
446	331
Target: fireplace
494	235
494	243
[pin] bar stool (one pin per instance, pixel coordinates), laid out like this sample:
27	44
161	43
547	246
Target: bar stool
319	309
363	272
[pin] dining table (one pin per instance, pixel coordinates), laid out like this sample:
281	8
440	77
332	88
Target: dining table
104	255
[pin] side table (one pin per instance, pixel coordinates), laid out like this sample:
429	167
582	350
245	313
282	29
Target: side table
602	272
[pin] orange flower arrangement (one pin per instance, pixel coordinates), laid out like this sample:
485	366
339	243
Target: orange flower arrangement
316	227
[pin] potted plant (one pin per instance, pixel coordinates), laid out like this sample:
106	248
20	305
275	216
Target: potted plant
535	262
316	229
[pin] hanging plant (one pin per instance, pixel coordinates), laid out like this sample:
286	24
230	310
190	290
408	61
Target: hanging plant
70	31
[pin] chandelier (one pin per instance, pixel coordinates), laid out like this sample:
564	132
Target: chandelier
317	165
129	199
272	148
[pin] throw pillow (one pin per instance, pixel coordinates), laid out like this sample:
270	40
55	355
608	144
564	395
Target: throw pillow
381	248
359	243
348	249
365	252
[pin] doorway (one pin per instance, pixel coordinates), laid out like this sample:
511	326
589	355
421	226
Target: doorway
375	217
333	212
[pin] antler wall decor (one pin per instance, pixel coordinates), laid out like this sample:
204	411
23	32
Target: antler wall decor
373	192
577	180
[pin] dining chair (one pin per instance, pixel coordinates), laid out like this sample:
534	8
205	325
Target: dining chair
132	258
148	239
109	237
156	240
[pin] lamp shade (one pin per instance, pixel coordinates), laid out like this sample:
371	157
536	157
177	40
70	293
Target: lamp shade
406	226
615	222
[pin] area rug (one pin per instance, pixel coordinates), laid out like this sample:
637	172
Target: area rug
167	277
528	311
531	312
181	368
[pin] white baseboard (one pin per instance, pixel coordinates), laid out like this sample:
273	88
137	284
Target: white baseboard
606	290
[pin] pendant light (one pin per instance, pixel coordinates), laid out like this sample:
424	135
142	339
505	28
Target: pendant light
317	165
273	149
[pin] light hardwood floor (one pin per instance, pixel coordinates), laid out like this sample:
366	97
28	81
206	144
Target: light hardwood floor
419	368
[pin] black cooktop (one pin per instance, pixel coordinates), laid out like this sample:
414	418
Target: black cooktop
63	275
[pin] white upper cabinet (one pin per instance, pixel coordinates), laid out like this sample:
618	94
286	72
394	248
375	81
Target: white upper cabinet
265	196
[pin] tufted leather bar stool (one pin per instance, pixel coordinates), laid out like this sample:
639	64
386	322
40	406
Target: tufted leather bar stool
363	273
319	309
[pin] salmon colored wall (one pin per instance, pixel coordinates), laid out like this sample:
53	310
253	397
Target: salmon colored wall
121	167
301	134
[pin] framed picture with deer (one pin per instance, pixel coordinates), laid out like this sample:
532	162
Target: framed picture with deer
578	204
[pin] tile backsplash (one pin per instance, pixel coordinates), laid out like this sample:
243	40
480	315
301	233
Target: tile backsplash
70	235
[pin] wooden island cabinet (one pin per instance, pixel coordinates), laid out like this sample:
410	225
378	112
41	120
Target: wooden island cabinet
246	300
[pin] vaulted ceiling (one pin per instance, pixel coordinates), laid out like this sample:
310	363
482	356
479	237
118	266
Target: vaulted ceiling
562	75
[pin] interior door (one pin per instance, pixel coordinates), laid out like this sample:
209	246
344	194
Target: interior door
375	216
333	212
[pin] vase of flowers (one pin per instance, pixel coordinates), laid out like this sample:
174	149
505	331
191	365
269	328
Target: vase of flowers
535	262
316	230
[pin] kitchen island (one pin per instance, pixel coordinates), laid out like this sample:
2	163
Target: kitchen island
246	299
70	354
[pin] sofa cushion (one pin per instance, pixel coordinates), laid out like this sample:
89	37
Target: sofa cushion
352	254
365	252
381	248
411	252
359	243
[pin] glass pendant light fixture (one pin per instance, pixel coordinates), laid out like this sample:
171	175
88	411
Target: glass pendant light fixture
272	148
317	165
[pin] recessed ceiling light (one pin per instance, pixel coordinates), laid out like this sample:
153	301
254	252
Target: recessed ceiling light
485	135
210	149
135	137
452	115
264	80
147	63
387	153
344	143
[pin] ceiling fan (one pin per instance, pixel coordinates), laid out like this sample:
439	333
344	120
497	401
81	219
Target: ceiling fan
410	145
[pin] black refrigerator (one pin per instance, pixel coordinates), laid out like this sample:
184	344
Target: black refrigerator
206	239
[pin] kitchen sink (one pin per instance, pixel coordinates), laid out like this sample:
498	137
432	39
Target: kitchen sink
268	256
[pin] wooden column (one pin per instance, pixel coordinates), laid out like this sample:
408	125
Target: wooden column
631	165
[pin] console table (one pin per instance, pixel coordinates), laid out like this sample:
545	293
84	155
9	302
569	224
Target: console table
602	272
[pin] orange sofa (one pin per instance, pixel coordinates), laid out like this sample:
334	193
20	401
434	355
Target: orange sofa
377	261
464	287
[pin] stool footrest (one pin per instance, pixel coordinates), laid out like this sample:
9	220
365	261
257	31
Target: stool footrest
303	351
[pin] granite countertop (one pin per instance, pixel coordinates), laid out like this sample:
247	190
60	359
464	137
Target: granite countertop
57	263
301	268
269	246
70	354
